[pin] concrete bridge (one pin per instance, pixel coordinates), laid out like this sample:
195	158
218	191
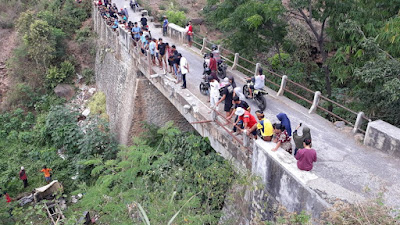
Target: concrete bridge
137	92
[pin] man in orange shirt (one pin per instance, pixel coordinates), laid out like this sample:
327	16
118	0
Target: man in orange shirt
47	174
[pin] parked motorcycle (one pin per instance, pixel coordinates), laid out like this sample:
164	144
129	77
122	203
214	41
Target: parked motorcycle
258	95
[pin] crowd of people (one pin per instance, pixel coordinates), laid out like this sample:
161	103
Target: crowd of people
167	57
162	54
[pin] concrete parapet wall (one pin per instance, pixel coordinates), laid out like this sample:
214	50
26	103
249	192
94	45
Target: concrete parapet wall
383	136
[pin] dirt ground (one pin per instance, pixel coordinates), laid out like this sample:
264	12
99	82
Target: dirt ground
7	44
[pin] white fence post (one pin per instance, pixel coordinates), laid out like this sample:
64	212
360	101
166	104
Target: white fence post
203	48
358	123
235	61
246	138
317	97
283	86
258	66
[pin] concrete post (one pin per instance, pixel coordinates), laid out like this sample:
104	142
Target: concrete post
317	97
358	123
235	61
218	48
214	115
149	60
246	139
258	65
203	48
283	86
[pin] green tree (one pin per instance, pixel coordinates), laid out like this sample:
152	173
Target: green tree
41	42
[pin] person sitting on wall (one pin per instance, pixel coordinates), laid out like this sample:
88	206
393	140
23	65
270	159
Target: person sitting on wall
264	126
282	138
248	120
298	139
306	156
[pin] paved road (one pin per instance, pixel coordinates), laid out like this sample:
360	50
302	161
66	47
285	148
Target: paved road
341	160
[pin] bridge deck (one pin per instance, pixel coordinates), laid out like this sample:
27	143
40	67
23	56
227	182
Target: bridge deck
345	168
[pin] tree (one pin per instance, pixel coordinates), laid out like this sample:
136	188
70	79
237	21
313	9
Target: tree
41	42
253	26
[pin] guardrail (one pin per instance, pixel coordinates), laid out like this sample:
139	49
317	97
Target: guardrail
250	68
144	64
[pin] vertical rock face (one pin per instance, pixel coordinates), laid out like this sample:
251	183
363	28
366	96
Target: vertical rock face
131	99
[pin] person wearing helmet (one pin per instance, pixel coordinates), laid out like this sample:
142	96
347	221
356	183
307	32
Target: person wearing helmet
215	52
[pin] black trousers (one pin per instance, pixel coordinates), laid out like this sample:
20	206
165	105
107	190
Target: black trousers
184	80
25	183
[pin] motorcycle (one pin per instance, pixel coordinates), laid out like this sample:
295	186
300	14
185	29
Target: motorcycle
222	67
258	95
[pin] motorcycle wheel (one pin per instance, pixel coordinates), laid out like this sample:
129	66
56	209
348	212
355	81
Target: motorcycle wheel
203	88
221	74
246	91
261	102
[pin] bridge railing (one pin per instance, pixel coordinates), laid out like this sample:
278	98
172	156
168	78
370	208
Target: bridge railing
284	86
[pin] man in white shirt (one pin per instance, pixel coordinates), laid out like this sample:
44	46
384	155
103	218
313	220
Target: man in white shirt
214	91
258	80
184	69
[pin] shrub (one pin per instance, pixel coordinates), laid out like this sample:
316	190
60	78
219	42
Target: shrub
55	76
277	62
162	7
97	105
88	75
176	17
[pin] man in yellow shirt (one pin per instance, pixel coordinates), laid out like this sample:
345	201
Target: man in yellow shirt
47	174
264	126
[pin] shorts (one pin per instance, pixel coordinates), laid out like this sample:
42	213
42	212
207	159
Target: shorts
48	179
252	87
189	37
162	56
228	106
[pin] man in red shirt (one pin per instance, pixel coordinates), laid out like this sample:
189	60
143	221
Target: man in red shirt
306	156
23	177
248	120
213	66
190	33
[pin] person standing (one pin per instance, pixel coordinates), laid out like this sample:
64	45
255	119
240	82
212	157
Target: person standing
162	51
190	33
165	26
152	48
8	199
227	96
47	175
306	156
214	91
184	69
23	177
213	66
136	31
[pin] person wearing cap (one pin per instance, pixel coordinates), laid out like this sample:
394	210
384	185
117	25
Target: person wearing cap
248	120
23	177
214	91
264	126
306	156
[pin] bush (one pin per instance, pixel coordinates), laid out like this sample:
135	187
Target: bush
55	76
177	17
276	63
88	75
162	7
97	105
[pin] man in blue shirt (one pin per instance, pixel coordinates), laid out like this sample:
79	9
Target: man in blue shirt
165	26
136	32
